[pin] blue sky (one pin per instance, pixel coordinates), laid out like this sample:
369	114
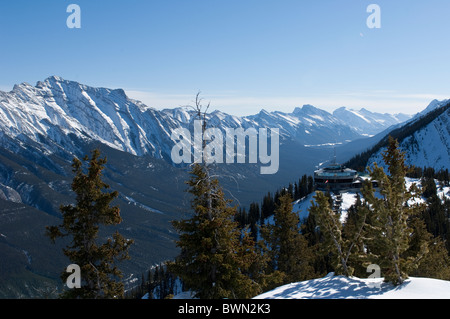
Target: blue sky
242	55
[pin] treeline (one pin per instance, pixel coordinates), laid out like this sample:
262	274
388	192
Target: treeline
437	212
359	162
442	175
158	283
436	215
257	213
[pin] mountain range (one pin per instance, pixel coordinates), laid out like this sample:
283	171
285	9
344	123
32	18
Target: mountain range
43	127
53	110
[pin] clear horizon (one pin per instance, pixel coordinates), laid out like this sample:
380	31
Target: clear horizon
243	56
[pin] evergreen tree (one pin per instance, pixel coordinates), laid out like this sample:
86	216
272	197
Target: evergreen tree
341	247
392	210
267	207
436	263
212	262
310	188
303	186
81	222
290	190
287	248
321	259
254	215
262	271
354	230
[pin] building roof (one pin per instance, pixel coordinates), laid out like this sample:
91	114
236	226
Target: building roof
335	170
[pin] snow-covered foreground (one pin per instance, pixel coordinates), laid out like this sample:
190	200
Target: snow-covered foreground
340	287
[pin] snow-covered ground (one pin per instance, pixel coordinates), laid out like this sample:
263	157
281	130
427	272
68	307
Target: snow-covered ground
340	287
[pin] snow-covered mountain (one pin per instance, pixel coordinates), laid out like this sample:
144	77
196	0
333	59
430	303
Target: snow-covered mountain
55	110
366	122
435	104
307	123
428	145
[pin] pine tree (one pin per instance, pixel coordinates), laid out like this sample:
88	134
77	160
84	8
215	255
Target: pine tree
331	228
287	248
311	232
254	215
436	263
212	261
392	210
81	222
355	230
267	207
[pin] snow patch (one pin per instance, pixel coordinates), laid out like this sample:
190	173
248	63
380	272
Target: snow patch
341	287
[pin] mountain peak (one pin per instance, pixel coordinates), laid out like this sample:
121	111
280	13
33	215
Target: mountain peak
340	109
54	78
307	108
120	92
263	112
21	86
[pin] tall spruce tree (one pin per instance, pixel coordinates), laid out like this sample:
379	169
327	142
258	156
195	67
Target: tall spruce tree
213	261
288	249
392	211
355	230
100	276
341	245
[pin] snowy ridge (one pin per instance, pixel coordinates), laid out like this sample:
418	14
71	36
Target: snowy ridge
427	147
51	111
366	122
56	107
432	106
